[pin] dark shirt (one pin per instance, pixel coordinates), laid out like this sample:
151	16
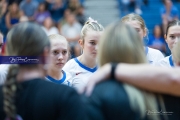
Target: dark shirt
42	100
109	101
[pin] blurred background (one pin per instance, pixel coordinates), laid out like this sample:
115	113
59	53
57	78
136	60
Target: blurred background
67	17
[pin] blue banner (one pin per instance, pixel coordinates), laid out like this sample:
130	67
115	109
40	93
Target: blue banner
21	60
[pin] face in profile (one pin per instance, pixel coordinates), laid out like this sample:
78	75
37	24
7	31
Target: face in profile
90	45
135	24
59	53
172	36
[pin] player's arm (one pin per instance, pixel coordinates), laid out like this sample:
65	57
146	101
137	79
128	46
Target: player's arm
156	79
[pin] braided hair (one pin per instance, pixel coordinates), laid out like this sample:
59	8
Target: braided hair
20	40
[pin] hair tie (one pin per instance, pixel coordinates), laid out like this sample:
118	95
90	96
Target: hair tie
91	20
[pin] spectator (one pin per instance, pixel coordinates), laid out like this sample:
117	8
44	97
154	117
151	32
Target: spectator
156	40
63	21
3	7
73	5
13	15
81	18
168	13
49	28
28	8
42	13
3	11
126	4
71	31
57	9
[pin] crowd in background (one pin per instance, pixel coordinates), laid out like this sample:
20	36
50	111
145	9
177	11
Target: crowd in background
168	12
116	75
60	16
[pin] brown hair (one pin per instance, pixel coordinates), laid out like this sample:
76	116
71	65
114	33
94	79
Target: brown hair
20	40
172	23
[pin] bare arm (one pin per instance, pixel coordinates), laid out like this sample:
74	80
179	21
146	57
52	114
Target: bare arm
155	79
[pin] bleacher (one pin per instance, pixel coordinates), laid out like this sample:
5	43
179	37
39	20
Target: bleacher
106	11
151	13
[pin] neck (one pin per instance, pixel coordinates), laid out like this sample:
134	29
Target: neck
91	63
27	74
55	74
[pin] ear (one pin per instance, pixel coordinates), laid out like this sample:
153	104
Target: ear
81	43
165	37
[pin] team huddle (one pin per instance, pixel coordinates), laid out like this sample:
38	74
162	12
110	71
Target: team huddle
115	77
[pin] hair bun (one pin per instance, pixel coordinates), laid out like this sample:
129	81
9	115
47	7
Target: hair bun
90	20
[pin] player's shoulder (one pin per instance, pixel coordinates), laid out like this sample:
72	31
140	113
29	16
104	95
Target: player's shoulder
155	51
70	64
163	62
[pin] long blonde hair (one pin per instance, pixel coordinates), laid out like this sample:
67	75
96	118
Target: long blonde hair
121	43
176	52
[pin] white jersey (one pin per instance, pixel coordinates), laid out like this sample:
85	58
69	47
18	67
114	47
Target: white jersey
3	72
153	55
80	72
166	62
66	79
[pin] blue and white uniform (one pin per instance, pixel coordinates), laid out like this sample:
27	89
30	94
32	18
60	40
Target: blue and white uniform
166	62
80	72
66	79
153	55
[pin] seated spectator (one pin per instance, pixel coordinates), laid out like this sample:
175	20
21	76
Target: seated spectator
64	19
168	13
49	27
71	31
28	8
73	5
42	13
3	7
13	15
125	6
80	16
156	40
57	9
